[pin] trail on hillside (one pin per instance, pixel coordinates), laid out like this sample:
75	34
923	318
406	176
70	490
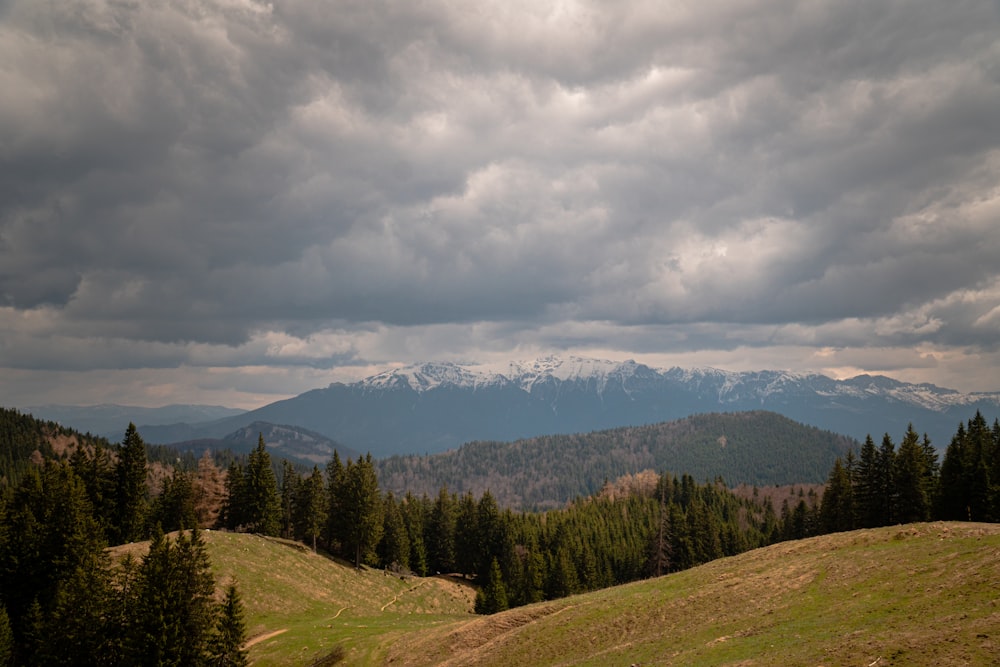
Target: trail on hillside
396	597
264	637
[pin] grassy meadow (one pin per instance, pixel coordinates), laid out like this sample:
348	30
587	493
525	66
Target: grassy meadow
921	594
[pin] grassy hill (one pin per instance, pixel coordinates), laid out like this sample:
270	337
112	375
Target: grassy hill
923	594
302	607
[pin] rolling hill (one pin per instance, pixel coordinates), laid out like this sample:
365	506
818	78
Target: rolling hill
754	448
922	594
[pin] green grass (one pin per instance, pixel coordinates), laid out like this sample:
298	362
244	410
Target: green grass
925	594
916	595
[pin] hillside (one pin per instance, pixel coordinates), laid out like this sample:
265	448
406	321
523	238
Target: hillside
301	607
754	448
923	594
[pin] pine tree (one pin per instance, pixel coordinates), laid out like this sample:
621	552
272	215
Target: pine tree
233	514
226	645
174	612
866	486
362	509
492	598
311	506
837	507
336	528
131	497
952	500
441	533
466	535
291	483
885	468
413	511
263	504
394	549
912	502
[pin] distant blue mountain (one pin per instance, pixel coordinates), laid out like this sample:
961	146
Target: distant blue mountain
433	407
111	421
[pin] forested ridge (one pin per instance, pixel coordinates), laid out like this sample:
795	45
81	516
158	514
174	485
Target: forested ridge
756	448
64	602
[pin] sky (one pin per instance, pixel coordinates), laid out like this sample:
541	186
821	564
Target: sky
230	202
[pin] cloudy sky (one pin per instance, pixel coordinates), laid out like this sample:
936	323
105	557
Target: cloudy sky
231	201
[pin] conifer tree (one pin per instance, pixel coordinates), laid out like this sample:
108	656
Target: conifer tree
466	535
174	610
413	511
311	506
291	483
492	598
336	480
260	488
362	508
912	501
885	470
234	514
226	645
866	486
441	533
837	507
953	500
394	549
131	497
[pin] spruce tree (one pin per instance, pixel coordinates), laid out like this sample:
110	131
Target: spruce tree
952	500
866	486
912	501
837	507
336	480
492	598
441	533
226	645
131	498
394	549
362	509
310	509
291	482
260	489
885	472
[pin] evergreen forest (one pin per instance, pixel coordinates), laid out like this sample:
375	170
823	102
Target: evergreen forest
65	497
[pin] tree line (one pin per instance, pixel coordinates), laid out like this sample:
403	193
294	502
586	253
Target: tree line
883	485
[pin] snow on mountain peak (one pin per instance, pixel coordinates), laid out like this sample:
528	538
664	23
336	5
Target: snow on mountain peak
727	385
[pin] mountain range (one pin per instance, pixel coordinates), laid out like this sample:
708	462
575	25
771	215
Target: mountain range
433	407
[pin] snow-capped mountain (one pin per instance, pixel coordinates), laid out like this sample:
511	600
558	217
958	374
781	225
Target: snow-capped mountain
431	407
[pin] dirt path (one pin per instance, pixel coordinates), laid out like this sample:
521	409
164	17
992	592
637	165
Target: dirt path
408	590
259	638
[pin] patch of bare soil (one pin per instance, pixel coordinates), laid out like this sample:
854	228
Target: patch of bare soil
264	637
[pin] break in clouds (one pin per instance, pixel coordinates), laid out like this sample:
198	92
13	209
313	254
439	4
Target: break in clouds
299	186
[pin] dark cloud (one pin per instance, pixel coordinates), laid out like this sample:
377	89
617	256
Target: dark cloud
182	183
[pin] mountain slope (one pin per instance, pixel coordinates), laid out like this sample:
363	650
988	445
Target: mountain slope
298	445
110	421
916	595
754	448
434	407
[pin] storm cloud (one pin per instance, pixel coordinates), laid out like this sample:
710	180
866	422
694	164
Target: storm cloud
299	191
